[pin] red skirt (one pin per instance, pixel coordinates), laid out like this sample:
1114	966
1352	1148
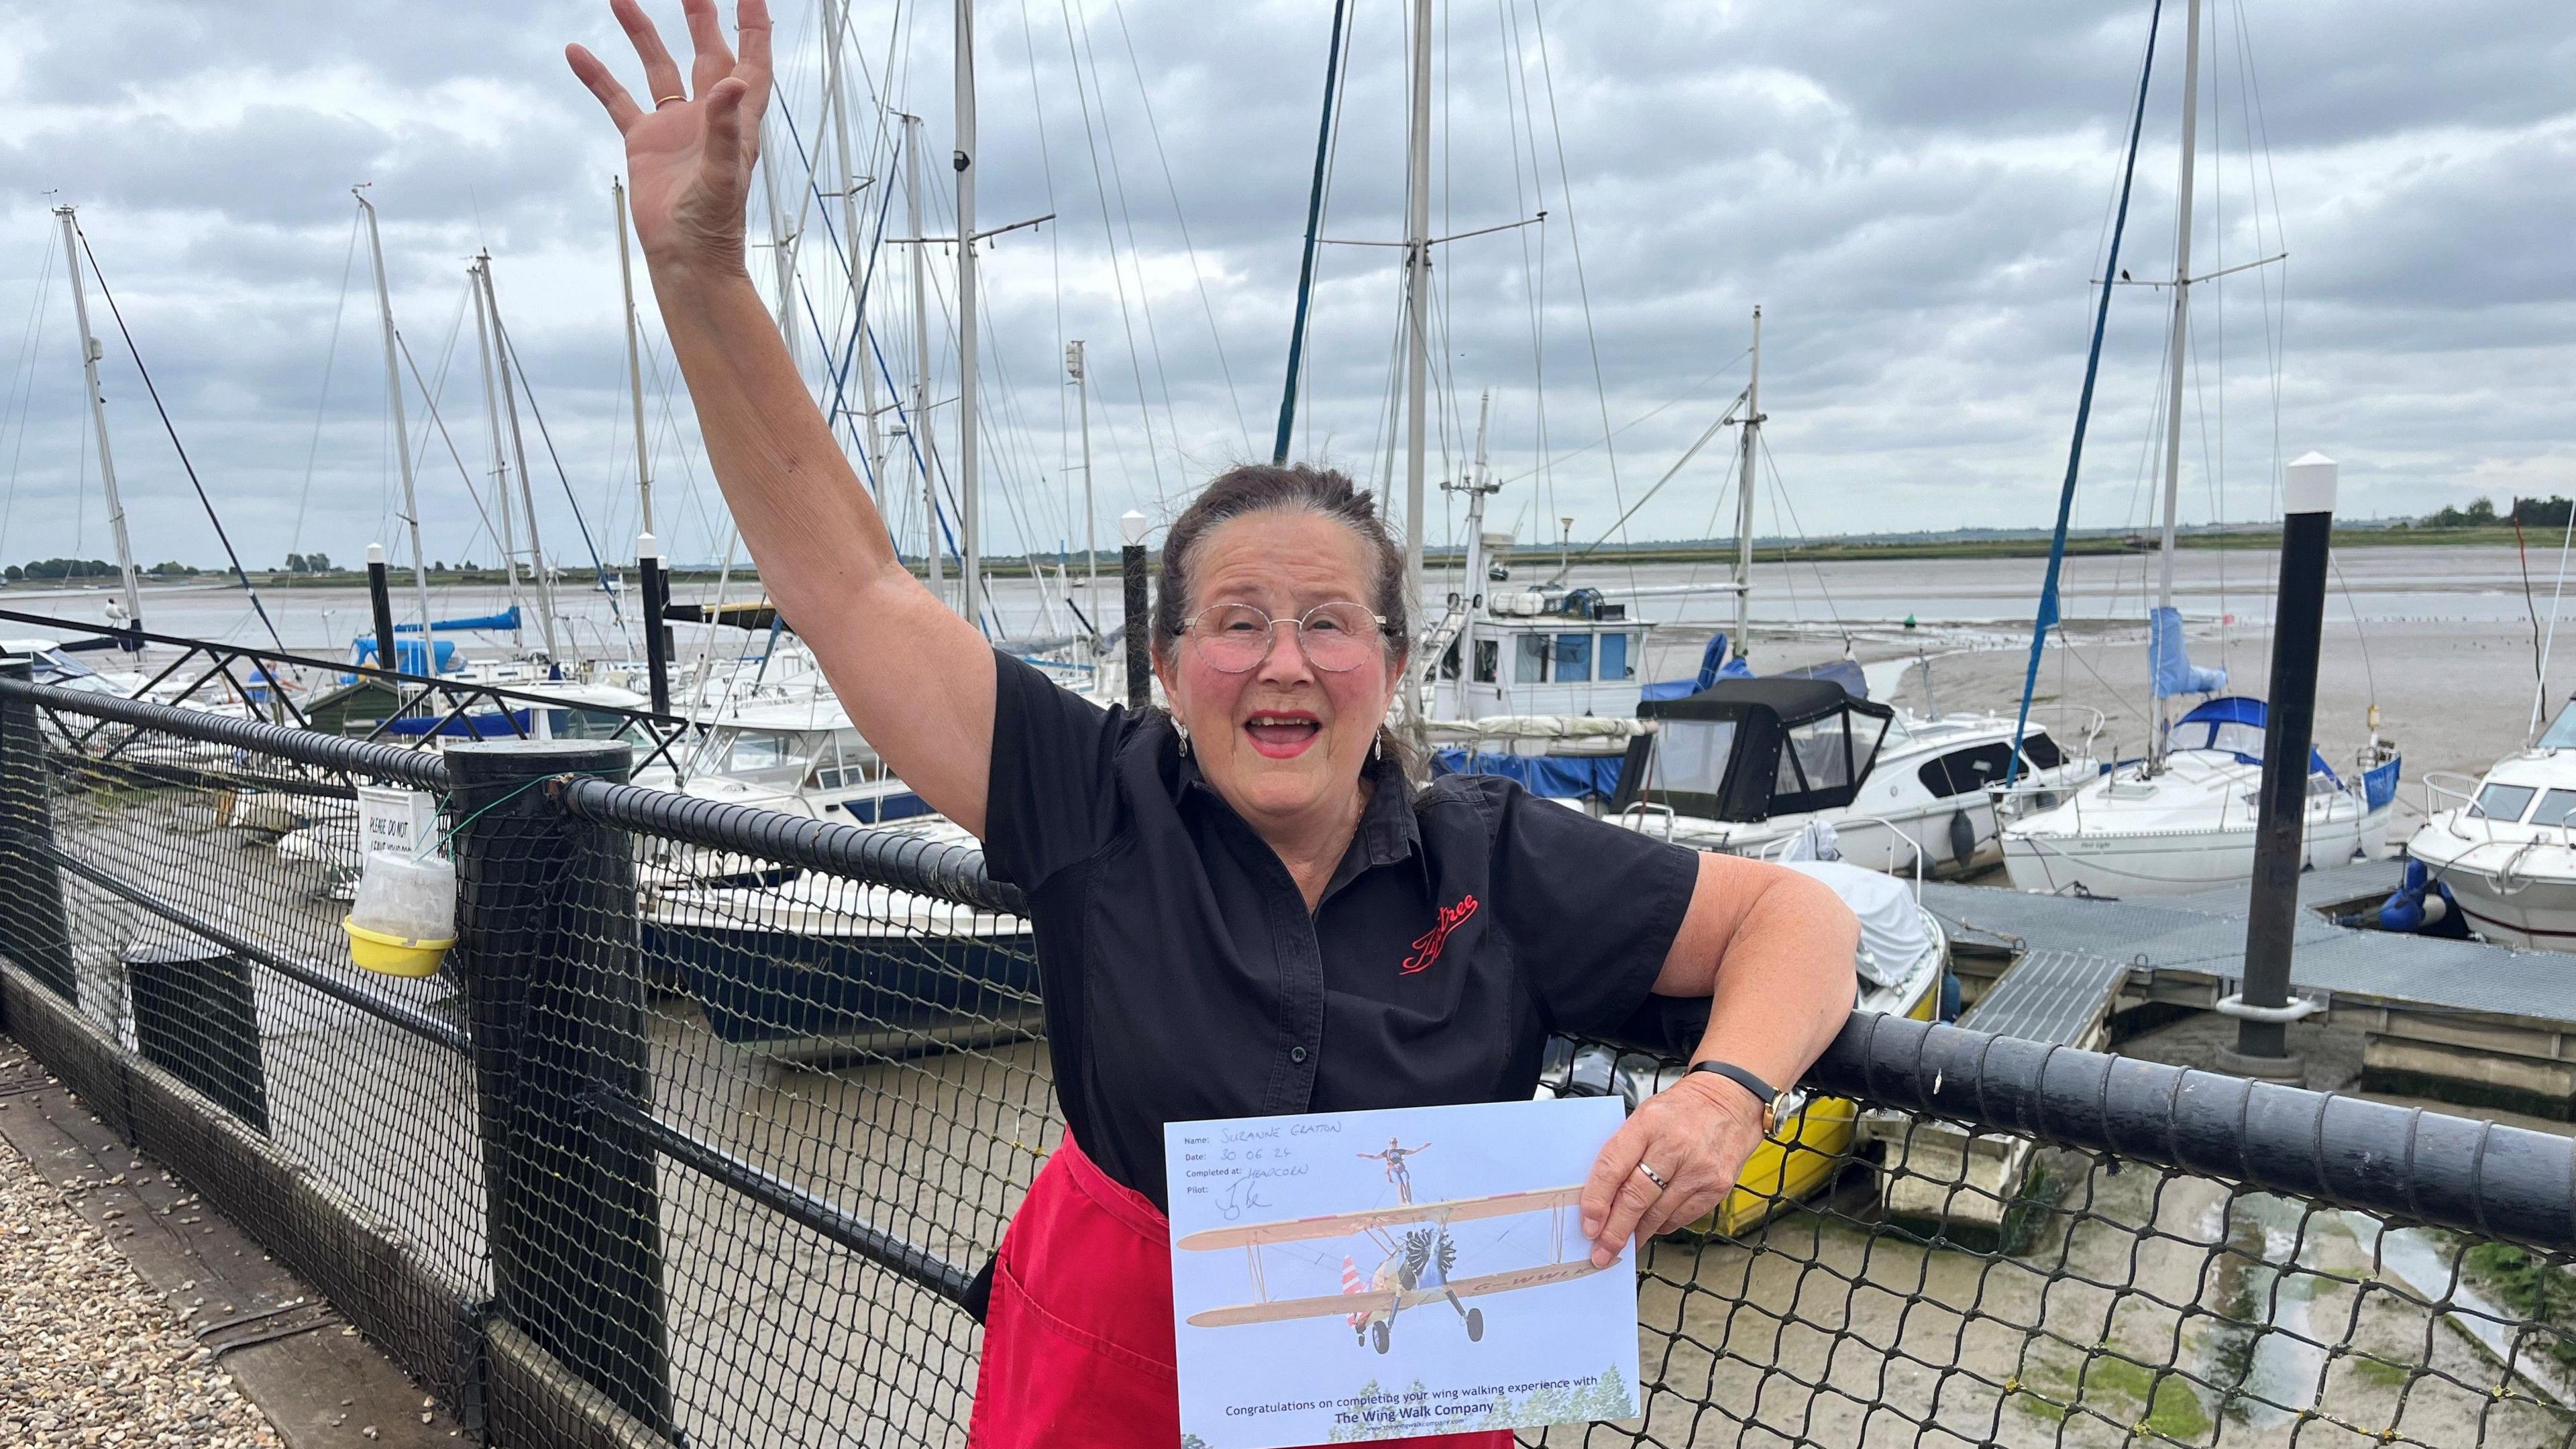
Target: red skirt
1078	1337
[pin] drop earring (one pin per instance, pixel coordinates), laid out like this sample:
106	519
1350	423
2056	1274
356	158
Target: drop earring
1377	747
1184	731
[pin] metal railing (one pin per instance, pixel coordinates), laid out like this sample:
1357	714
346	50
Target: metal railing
703	1128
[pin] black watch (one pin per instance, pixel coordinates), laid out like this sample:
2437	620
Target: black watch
1775	1104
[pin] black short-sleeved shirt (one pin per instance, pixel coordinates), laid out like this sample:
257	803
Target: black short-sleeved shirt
1185	979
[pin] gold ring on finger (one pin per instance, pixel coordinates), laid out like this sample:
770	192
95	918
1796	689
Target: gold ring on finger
1654	1177
660	101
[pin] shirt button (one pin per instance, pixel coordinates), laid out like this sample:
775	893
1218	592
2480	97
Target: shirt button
1296	1054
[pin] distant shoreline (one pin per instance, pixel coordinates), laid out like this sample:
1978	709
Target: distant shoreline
1858	550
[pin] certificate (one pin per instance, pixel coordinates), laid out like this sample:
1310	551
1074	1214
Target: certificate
1347	1276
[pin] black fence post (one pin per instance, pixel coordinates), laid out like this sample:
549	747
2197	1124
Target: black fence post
656	587
380	599
547	942
2262	1007
1140	628
35	931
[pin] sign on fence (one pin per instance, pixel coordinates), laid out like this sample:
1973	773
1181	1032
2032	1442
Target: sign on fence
394	821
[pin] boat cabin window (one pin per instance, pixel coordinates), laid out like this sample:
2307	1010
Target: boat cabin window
1968	771
1820	752
747	752
1691	754
1563	658
2234	736
1531	656
2554	809
1573	657
2041	751
2561	734
2502	802
585	724
1614	658
1489	658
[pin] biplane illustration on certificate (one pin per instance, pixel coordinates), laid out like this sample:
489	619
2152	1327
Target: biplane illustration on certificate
1366	1275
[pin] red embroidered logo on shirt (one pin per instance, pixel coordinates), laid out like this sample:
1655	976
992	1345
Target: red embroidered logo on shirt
1426	947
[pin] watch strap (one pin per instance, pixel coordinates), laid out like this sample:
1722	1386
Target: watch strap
1762	1091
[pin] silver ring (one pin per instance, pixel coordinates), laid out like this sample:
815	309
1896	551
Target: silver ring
1654	1177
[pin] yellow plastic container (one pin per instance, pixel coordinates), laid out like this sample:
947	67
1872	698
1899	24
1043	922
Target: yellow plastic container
394	955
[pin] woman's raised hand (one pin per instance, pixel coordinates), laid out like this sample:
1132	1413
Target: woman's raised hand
689	157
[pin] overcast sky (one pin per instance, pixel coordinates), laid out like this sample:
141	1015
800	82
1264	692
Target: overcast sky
1917	195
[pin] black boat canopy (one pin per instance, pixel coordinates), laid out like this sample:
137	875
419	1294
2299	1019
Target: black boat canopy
1749	749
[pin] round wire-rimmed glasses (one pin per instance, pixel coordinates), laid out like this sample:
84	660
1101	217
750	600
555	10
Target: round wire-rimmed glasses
1235	638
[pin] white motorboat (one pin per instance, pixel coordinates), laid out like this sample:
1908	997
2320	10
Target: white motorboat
2184	821
1746	765
2507	847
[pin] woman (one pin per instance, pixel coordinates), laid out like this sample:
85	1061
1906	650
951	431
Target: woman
1242	906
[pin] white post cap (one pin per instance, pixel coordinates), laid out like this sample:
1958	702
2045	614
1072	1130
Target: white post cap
2308	485
647	546
1132	526
375	553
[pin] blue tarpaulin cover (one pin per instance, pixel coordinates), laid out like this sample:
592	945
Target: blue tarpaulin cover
406	656
2169	667
2234	724
507	619
2379	784
1713	666
1558	777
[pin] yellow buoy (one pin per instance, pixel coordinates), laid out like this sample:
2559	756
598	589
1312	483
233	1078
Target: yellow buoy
395	955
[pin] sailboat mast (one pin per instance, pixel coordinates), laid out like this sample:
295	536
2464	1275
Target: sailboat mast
402	432
872	435
1751	442
970	505
537	571
1076	363
2174	343
90	353
924	442
1417	299
634	361
500	455
1471	591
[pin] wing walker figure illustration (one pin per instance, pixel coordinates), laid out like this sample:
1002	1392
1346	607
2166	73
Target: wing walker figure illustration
1396	1171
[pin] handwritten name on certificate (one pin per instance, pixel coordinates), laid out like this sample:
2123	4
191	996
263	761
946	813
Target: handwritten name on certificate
1375	1275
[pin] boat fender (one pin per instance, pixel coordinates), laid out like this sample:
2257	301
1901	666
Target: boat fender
1963	837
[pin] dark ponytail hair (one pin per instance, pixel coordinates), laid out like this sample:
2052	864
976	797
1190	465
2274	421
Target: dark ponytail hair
1290	488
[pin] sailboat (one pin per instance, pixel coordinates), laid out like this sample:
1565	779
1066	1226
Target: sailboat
2183	818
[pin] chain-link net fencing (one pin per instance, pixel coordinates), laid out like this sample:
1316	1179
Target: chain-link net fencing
702	1129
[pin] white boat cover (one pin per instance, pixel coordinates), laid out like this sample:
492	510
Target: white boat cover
1892	934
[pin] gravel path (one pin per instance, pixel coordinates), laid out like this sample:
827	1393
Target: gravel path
88	1355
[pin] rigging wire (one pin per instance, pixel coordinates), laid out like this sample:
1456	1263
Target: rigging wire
510	353
2084	406
239	573
1145	98
1574	239
30	340
322	405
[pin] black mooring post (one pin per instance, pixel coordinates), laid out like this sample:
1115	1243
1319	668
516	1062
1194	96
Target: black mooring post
35	932
1140	628
657	631
547	946
380	597
2262	1006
